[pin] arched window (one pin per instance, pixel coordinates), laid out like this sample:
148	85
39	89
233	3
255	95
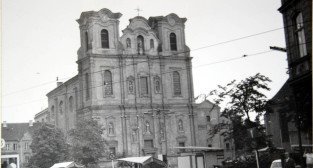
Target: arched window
128	43
70	104
52	111
176	83
107	82
180	125
151	44
87	86
140	45
86	41
104	38
173	42
300	35
61	107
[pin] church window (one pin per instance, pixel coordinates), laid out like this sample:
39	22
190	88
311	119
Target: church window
104	38
157	84
61	107
300	35
87	86
107	83
180	125
71	102
111	128
52	111
208	118
140	45
128	43
227	146
87	41
181	144
144	85
176	83
173	42
151	44
131	83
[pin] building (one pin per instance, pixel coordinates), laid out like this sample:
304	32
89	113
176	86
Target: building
42	116
17	139
138	85
294	100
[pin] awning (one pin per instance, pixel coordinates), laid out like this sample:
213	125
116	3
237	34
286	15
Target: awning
145	161
67	165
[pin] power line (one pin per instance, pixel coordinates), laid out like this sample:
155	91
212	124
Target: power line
208	46
120	81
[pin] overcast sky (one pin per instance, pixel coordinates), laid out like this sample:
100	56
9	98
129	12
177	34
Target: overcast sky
40	40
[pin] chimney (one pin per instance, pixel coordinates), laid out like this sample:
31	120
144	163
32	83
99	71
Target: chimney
30	123
4	124
59	83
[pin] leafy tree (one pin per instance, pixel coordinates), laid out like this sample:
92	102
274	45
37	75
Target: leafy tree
240	100
48	146
88	146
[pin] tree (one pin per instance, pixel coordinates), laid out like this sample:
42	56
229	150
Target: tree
88	146
48	146
240	100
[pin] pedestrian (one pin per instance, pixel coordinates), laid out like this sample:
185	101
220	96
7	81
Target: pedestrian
289	162
309	159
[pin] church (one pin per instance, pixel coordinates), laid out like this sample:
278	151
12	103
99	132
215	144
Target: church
139	86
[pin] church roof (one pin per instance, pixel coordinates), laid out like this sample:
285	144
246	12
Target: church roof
284	92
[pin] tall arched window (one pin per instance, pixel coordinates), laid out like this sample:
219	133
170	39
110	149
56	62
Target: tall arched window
107	82
104	38
151	44
300	35
176	83
70	104
86	41
140	45
173	42
61	107
87	86
52	111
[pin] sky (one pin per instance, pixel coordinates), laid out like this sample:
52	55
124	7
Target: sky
40	40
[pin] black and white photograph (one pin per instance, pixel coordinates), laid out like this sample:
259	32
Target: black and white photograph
156	84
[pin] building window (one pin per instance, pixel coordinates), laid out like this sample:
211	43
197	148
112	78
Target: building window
113	150
111	128
176	83
128	43
7	146
181	144
27	159
26	146
14	146
52	111
107	83
180	125
157	84
86	41
144	85
140	45
173	42
148	143
151	44
61	107
71	102
87	86
131	84
104	38
208	118
300	35
227	146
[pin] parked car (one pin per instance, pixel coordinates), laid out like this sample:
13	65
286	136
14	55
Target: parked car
276	164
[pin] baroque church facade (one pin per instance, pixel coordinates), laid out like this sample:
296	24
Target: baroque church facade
139	86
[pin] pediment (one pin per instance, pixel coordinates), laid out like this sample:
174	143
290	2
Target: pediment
138	23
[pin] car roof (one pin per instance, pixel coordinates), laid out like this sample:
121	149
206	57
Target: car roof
275	161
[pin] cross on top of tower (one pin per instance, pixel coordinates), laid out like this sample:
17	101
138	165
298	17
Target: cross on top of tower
138	10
